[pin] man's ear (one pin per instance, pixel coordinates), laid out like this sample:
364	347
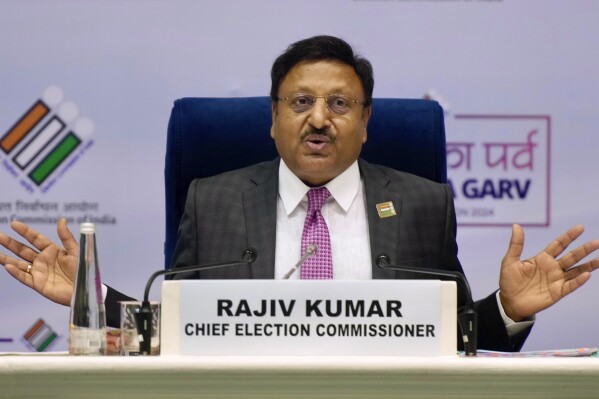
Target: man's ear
274	112
365	118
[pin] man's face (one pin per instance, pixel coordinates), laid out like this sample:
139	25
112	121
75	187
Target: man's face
318	144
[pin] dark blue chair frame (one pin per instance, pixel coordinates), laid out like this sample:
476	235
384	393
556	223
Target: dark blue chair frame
208	136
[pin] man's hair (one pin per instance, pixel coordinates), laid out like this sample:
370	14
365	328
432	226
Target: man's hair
321	48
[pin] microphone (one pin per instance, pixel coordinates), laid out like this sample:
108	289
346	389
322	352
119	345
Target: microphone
144	315
467	319
311	250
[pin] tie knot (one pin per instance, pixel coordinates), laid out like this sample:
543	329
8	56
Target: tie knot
317	197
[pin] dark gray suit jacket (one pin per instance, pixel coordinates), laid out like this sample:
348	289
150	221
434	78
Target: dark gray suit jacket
228	213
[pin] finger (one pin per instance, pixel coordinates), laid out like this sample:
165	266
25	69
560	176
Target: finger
572	285
18	248
577	254
516	245
4	239
586	267
36	239
22	276
9	260
557	246
66	236
20	264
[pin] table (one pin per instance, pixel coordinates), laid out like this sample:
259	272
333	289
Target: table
47	376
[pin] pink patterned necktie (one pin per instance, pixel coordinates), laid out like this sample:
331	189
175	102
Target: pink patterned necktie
319	266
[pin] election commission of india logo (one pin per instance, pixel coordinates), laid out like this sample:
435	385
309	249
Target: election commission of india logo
45	141
40	336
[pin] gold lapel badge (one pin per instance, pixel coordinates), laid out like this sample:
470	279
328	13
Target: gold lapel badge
386	209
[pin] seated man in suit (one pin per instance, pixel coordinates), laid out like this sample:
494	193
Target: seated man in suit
320	191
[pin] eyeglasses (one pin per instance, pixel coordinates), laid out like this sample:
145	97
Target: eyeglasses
337	103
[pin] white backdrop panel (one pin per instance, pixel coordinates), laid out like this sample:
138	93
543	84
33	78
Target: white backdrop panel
122	63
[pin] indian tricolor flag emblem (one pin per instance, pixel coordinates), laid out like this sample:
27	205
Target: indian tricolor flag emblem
42	140
386	209
40	336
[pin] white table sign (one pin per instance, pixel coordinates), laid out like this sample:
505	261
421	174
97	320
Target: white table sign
272	317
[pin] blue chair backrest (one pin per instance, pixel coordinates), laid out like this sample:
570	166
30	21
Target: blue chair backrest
208	136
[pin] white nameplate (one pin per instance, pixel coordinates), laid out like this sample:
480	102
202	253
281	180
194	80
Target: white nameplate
291	317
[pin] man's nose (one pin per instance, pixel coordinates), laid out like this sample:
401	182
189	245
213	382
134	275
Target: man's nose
320	116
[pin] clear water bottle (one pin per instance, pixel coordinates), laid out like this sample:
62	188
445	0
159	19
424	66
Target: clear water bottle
88	317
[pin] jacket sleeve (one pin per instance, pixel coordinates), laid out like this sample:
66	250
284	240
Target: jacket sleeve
113	307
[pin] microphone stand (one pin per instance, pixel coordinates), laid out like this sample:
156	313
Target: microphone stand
144	314
467	319
311	250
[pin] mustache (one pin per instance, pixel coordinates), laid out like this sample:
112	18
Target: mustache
322	132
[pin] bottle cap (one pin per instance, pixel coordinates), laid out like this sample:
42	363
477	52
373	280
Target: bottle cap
87	228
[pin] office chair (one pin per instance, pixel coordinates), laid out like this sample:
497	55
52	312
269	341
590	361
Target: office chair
208	136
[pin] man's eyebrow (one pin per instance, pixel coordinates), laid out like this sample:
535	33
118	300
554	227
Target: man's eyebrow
303	89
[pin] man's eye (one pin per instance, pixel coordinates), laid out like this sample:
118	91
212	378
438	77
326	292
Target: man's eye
339	102
302	101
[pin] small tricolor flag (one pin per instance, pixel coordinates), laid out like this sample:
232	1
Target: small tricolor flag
40	336
386	209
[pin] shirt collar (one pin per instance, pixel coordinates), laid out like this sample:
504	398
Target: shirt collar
343	188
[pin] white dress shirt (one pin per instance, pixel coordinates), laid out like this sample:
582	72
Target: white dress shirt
345	214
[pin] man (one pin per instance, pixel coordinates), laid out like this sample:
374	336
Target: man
321	103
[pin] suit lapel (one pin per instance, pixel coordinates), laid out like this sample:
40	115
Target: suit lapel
384	232
260	212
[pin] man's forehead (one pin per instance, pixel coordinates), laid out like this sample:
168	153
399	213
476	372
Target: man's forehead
332	75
